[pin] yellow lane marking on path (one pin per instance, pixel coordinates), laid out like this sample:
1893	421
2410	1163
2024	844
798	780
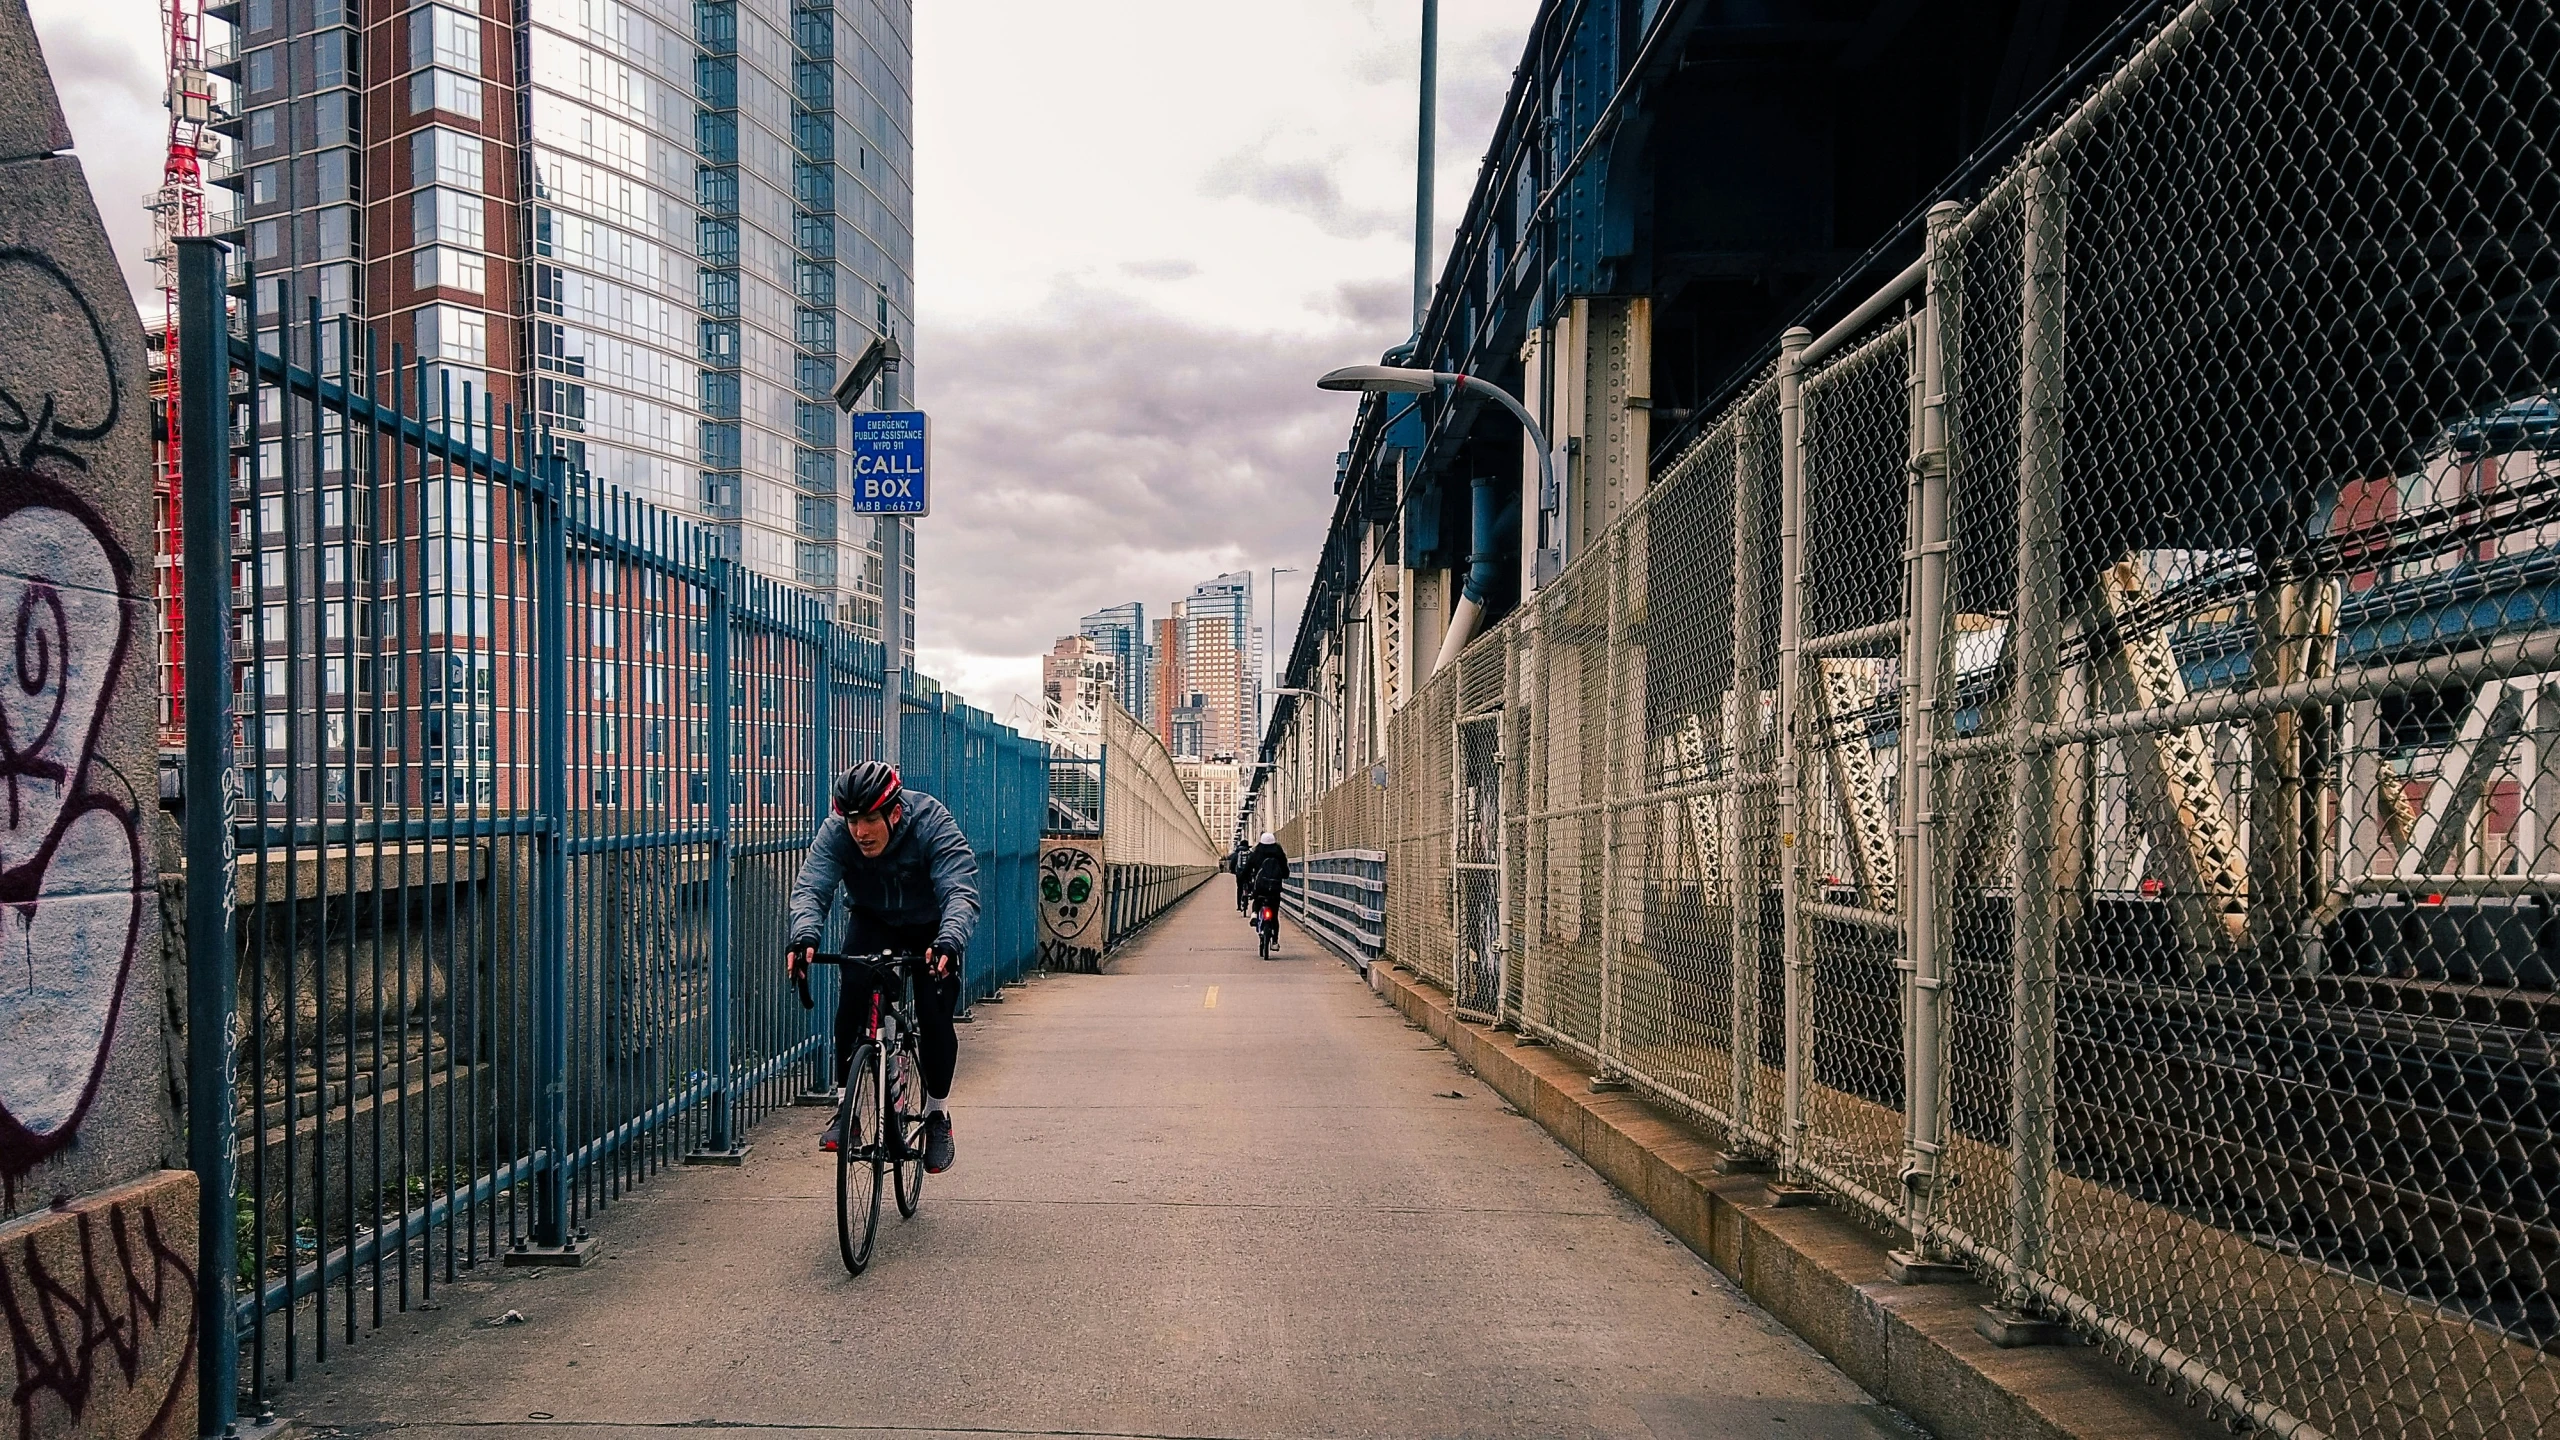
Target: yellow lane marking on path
1210	1001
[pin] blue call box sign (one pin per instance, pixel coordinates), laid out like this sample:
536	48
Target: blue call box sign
890	450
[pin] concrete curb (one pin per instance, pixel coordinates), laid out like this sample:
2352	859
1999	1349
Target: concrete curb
1912	1346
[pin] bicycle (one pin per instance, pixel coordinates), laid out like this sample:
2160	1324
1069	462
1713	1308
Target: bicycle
1266	923
880	1116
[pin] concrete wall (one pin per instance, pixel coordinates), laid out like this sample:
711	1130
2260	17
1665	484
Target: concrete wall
97	1238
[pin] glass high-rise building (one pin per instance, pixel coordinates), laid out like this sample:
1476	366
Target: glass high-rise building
1120	631
662	227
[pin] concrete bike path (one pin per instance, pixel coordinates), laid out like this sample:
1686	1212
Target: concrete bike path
1200	1195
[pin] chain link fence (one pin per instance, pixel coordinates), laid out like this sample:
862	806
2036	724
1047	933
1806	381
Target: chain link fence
2067	762
1155	848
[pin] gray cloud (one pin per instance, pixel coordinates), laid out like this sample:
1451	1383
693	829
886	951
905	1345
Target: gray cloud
1165	270
1099	451
1379	305
106	65
1300	187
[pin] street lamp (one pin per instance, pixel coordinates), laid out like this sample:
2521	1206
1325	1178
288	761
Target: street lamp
1404	380
1271	642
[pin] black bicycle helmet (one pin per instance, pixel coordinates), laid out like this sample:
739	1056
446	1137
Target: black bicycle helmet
867	789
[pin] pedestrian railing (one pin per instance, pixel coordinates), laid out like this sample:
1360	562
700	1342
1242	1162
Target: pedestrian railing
498	780
1341	897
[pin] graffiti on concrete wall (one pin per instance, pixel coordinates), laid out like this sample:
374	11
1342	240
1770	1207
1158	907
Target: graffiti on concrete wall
70	854
1071	902
99	1305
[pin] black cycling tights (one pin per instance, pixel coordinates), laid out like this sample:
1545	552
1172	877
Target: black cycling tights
938	1047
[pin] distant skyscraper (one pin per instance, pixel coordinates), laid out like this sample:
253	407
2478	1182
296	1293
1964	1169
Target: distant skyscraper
1120	631
1217	662
1165	687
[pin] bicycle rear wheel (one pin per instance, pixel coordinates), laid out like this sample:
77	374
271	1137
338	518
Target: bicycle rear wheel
906	1123
859	1161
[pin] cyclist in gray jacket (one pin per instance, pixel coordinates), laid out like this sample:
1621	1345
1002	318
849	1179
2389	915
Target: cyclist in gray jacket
911	883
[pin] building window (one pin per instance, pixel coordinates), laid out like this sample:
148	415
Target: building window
329	120
817	331
337	234
815	471
443	267
439	36
262	70
332	172
337	289
449	217
329	65
720	292
438	156
452	333
814	185
716	136
444	90
266	239
262	128
720	394
719	446
266	184
715	188
716	241
817	424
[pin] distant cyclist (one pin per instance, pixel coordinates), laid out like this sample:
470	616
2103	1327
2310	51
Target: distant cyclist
1236	867
911	884
1265	870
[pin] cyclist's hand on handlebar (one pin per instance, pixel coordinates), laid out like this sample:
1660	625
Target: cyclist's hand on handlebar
939	963
796	960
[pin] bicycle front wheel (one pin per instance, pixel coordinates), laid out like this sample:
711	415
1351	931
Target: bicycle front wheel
906	1123
859	1161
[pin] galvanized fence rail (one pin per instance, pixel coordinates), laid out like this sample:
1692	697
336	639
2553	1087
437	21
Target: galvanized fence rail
2067	764
496	788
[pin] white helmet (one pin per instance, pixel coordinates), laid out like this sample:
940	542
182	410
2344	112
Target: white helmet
1270	839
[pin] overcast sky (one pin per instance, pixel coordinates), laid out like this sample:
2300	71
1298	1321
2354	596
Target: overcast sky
1143	228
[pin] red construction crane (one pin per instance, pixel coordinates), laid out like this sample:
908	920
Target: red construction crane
179	209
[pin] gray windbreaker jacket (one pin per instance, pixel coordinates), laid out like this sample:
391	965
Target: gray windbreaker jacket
927	876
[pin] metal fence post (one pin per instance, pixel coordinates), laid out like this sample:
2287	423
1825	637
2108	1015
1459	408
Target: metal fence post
1790	799
1926	666
2039	630
1613	722
204	389
720	1141
553	1240
822	1054
1742	736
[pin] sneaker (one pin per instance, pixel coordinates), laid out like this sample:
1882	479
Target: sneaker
937	1142
833	1139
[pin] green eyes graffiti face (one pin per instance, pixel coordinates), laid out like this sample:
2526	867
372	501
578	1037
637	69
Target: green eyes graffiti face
1070	883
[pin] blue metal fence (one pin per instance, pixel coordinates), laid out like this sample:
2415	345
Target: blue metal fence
513	773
